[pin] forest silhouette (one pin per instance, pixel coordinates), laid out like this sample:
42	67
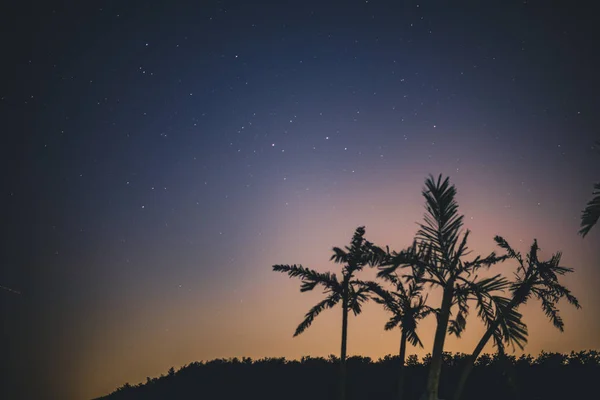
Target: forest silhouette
438	259
548	376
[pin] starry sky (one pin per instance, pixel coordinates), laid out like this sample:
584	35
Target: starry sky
159	157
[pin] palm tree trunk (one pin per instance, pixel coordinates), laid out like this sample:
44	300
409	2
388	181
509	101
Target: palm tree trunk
344	344
470	361
435	368
402	357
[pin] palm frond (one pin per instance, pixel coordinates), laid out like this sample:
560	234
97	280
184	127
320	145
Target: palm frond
563	292
487	262
442	223
484	286
393	322
485	310
494	283
459	253
509	250
532	256
461	297
358	296
415	287
413	338
550	310
540	279
591	212
510	326
329	302
406	305
310	278
457	326
421	259
425	310
412	256
483	292
511	253
339	256
383	296
379	257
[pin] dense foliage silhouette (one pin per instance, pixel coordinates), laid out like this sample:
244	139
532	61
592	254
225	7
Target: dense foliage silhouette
548	376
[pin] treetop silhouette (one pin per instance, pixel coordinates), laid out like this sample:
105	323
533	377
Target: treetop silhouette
438	258
348	291
534	278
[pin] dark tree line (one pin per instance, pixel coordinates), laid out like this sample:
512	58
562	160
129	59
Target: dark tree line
548	376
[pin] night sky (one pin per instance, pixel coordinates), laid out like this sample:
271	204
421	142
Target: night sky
159	157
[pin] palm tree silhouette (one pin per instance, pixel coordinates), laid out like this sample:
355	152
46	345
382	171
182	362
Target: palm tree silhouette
351	292
534	278
440	257
407	306
591	213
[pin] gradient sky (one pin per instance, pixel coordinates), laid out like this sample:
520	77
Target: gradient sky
159	157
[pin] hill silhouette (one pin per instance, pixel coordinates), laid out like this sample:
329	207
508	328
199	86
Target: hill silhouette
547	376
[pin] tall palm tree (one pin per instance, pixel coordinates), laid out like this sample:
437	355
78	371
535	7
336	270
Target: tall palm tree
534	278
443	266
348	291
407	306
591	213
